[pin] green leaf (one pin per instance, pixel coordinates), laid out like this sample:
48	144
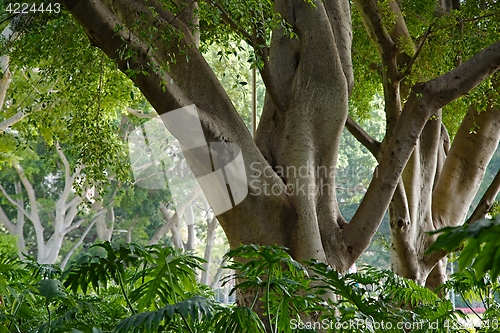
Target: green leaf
468	253
51	289
195	309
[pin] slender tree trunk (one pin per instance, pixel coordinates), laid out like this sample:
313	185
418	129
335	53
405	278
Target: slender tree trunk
170	221
191	238
176	236
211	228
4	79
7	34
68	256
19	233
104	233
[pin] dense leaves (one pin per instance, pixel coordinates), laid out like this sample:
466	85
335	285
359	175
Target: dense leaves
293	297
481	249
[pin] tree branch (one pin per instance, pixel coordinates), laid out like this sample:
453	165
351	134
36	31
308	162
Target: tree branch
417	53
235	26
73	211
34	216
21	243
74	226
14	202
261	50
80	241
459	81
141	114
11	228
472	19
374	26
364	138
78	223
73	202
63	159
486	202
151	175
425	100
463	171
12	120
68	179
20	115
68	184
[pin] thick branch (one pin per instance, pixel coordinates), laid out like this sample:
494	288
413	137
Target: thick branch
374	25
424	101
34	216
463	171
464	167
21	244
456	83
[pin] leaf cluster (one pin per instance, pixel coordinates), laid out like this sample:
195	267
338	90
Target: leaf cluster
129	288
481	245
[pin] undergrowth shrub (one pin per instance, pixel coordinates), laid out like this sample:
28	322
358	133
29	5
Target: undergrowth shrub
129	288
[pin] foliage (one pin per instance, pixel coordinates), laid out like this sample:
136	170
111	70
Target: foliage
293	297
481	249
369	301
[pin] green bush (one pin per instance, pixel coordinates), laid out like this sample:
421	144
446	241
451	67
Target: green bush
154	289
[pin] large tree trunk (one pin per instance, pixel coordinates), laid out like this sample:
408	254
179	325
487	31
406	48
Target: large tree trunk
290	167
438	183
438	193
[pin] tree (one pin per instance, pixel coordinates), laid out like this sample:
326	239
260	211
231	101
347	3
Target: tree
304	54
49	203
63	108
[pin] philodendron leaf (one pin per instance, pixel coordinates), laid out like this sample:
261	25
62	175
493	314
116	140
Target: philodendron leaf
51	289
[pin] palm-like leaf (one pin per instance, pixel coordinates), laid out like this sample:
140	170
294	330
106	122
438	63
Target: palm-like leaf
191	310
237	320
97	271
169	275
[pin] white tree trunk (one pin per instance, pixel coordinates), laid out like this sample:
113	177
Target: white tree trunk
209	246
66	210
